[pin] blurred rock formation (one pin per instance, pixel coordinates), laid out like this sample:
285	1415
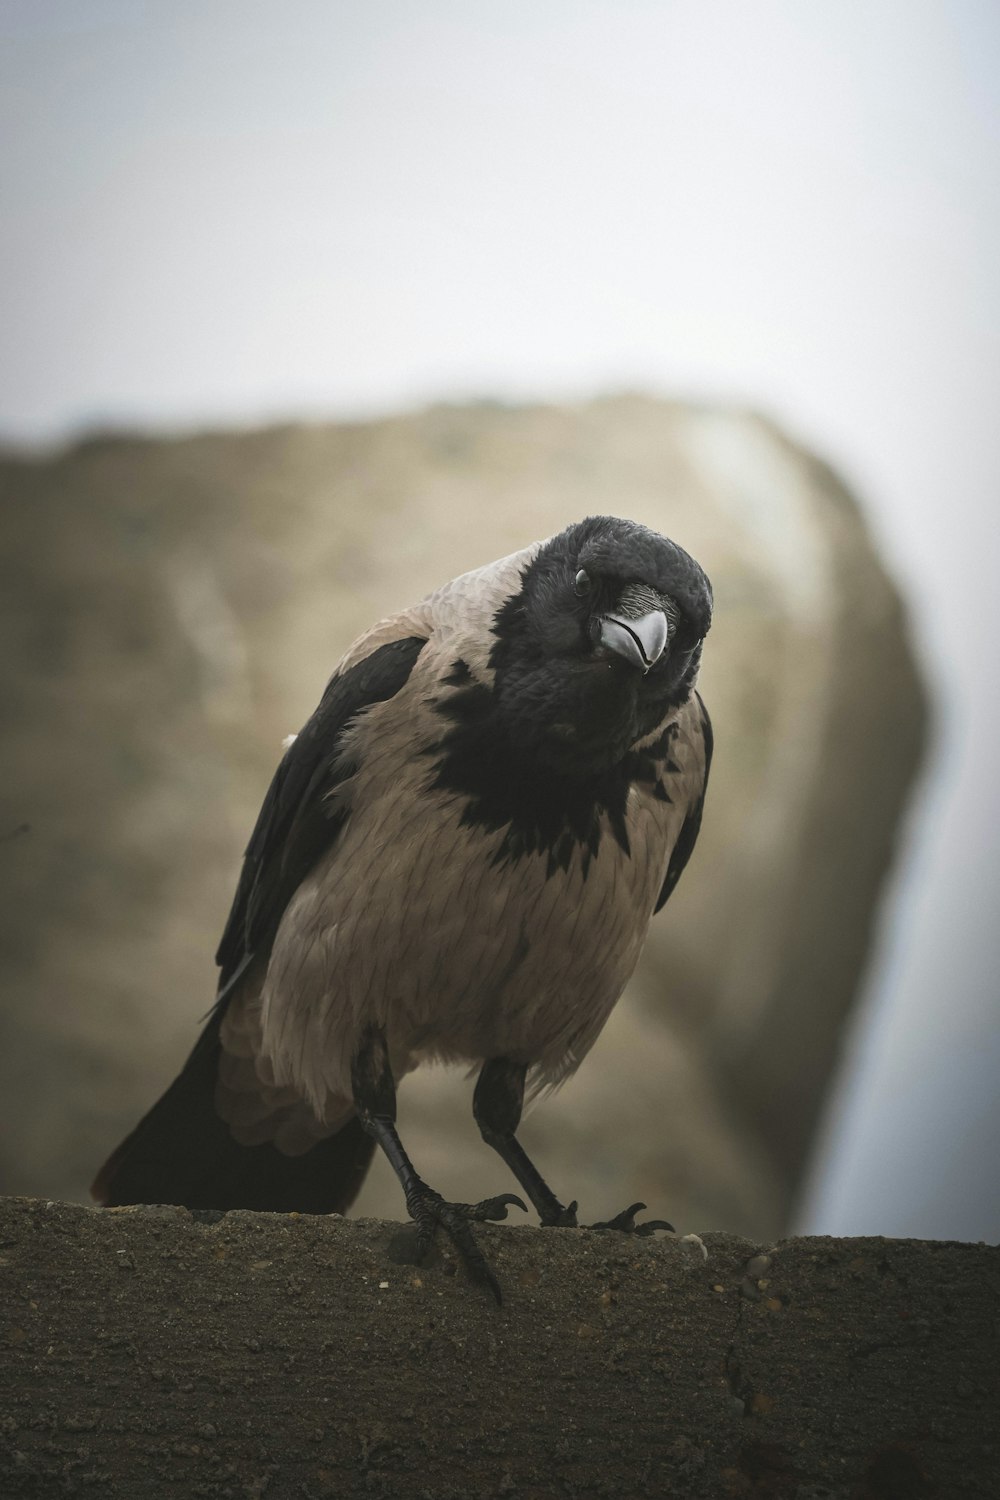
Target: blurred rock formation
173	607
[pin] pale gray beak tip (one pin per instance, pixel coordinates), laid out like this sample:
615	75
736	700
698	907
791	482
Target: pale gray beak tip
641	641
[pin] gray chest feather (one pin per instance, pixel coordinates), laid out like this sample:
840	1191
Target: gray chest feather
465	929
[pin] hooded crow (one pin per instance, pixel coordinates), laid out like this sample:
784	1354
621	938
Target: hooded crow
457	859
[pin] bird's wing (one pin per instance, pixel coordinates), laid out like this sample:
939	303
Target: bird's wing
688	836
214	1140
300	817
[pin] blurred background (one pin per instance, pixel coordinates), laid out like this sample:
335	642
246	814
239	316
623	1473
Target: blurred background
305	308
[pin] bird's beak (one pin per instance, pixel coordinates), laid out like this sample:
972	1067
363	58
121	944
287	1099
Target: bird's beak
640	641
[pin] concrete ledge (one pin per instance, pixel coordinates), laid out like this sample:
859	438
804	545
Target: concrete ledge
148	1353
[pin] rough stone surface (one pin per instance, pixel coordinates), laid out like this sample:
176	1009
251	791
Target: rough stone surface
172	608
147	1353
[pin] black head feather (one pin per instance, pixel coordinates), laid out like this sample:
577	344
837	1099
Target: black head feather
565	700
546	753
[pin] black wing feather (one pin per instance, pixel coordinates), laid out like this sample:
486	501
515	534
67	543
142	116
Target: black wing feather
690	828
182	1151
299	819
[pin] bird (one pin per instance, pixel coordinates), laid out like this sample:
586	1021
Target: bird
457	860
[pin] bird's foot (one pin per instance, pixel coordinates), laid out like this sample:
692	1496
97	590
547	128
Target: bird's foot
429	1212
558	1217
625	1223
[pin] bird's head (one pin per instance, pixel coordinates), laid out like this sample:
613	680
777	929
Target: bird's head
601	641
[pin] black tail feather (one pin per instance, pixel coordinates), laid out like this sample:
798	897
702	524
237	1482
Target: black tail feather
182	1152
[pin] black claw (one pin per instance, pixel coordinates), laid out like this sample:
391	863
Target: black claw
430	1211
625	1223
491	1208
455	1222
651	1226
564	1219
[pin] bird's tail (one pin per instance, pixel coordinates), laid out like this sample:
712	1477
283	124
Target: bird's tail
182	1152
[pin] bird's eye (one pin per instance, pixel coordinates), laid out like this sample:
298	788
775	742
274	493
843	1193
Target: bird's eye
581	582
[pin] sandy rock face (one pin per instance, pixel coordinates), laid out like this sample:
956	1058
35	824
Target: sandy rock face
172	610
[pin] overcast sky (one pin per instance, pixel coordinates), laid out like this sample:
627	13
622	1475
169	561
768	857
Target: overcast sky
229	210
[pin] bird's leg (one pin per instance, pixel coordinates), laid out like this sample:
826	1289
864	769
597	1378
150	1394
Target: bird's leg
375	1100
497	1105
